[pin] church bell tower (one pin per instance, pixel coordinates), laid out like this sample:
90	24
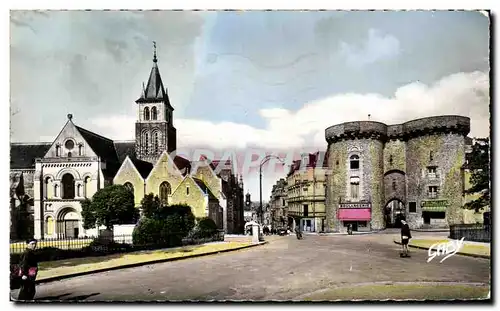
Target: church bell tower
154	129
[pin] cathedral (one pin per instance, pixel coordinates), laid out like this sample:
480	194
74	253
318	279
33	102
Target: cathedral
53	178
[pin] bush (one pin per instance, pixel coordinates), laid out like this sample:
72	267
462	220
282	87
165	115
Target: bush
167	232
206	228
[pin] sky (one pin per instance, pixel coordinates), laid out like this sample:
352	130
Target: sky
242	80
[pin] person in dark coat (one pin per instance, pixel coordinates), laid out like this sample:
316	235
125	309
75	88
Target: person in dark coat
405	236
28	269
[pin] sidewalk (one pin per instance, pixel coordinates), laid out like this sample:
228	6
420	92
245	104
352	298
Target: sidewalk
61	269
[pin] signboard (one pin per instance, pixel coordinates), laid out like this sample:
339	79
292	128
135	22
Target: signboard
355	205
360	214
434	205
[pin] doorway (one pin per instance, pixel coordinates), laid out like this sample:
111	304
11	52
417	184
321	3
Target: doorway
394	212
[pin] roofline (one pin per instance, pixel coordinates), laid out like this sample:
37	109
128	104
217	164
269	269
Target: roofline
28	143
124	141
81	128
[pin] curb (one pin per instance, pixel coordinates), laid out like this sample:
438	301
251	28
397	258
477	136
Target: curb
431	230
144	263
458	253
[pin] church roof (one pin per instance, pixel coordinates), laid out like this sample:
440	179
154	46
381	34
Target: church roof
182	164
103	148
124	149
205	188
23	155
143	167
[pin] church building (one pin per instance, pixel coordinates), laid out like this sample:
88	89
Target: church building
55	177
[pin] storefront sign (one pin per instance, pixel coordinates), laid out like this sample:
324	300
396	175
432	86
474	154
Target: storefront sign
355	205
435	205
360	214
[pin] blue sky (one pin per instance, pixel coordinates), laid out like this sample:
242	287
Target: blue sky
271	80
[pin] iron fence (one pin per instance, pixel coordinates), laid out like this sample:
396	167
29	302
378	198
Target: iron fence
473	232
89	246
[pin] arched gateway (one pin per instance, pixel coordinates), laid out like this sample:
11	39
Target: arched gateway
394	212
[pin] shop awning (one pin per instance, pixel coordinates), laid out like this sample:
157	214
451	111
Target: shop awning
354	214
434	208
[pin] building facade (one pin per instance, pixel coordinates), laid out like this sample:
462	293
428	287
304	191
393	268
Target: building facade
278	206
57	176
379	174
305	190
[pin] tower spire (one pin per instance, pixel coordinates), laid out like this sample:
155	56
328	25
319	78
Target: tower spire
154	53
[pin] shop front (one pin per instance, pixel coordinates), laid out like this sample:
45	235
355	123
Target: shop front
434	213
358	215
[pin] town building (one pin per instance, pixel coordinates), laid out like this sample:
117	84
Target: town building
278	206
379	174
306	192
57	176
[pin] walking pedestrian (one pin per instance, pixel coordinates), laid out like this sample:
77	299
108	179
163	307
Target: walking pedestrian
405	237
28	269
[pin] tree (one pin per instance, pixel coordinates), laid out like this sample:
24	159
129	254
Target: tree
111	205
150	205
479	165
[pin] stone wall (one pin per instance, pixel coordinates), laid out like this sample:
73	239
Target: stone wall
446	153
336	183
196	198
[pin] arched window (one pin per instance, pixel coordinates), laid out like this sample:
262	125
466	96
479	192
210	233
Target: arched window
431	155
86	182
80	150
79	190
58	151
129	187
165	191
49	225
394	186
146	143
56	192
154	113
68	186
390	159
46	187
155	142
354	159
146	113
69	154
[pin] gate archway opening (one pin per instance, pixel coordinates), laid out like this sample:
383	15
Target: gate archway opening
68	223
394	212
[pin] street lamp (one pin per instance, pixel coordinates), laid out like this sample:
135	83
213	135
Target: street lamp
264	161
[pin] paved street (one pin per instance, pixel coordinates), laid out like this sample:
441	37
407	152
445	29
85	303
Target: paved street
282	270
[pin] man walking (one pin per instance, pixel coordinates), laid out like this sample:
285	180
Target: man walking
405	237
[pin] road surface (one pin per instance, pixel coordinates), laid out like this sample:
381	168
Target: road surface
284	269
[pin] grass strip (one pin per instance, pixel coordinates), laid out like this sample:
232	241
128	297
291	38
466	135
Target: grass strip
399	291
472	249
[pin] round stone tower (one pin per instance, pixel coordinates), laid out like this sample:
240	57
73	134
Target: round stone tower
435	154
355	177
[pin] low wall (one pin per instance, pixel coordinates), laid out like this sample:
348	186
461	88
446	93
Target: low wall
123	233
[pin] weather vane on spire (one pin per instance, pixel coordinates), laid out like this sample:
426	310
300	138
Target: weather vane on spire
154	48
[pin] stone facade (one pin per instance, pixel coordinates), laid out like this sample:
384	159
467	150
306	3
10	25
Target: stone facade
278	205
305	189
418	164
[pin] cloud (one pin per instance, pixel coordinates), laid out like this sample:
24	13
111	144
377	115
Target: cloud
376	48
464	94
